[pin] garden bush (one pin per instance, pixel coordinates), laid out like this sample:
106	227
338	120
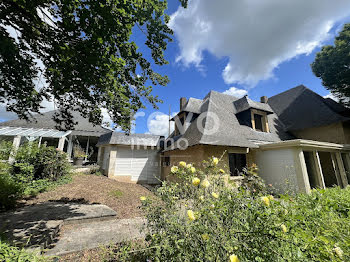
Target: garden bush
34	170
202	218
11	253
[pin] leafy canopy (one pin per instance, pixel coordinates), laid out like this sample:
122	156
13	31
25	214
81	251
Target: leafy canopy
88	59
332	65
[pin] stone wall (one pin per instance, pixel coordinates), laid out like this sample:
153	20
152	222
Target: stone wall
334	133
196	154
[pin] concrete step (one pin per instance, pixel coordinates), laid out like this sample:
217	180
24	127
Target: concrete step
79	237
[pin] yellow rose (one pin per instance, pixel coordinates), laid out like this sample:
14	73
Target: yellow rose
193	169
222	171
190	215
214	195
205	237
234	258
189	166
174	169
284	228
205	183
201	198
266	201
215	161
339	252
196	181
271	198
143	198
182	164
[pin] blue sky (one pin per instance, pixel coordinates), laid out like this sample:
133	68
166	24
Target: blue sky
193	81
259	47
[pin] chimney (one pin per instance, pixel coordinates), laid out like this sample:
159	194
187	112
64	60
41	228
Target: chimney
183	101
263	99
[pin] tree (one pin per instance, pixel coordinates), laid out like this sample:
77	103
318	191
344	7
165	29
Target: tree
88	59
332	65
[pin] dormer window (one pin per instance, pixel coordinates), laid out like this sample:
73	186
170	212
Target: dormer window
259	120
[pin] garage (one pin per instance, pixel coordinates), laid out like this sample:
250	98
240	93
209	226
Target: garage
134	158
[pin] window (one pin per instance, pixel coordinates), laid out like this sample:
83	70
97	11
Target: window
237	162
258	119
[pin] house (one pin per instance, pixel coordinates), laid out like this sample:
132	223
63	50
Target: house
43	129
298	139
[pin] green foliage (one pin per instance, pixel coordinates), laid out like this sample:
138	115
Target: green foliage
10	191
11	253
116	193
200	218
332	65
90	59
40	162
5	149
34	170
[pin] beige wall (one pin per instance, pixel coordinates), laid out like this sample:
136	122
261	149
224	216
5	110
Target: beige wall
334	133
196	154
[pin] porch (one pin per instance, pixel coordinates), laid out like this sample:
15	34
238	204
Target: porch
301	165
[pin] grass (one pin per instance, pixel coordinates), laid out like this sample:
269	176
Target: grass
116	193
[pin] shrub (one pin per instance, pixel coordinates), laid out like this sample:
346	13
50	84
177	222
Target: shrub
5	149
34	170
200	218
11	253
44	162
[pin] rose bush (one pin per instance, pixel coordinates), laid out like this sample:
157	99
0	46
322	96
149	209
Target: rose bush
204	218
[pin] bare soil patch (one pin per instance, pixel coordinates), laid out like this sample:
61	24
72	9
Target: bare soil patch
91	189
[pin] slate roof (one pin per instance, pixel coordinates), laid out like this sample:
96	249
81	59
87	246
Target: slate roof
229	132
118	138
45	121
299	108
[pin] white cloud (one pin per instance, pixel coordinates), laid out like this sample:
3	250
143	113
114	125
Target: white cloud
330	95
233	91
158	124
255	35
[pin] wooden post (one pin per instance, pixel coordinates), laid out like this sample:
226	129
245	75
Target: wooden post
320	178
87	148
342	172
15	146
61	143
70	147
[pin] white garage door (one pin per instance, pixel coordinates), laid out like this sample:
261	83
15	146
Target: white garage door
141	164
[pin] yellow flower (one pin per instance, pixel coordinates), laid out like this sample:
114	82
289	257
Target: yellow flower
284	228
212	206
234	258
205	183
201	198
205	237
174	169
214	195
339	252
215	161
196	181
266	201
222	171
193	169
271	198
182	164
189	166
190	215
143	198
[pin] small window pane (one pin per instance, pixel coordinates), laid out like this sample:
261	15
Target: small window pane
258	119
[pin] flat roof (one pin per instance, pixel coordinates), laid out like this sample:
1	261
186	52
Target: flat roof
32	132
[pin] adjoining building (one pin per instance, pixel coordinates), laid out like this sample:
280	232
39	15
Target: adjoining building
298	139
